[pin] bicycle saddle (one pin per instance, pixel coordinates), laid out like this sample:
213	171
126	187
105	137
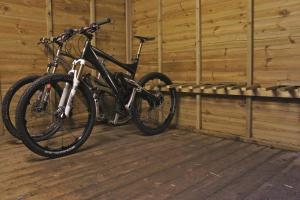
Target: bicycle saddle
143	39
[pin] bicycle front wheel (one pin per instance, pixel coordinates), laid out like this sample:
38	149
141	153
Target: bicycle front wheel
38	112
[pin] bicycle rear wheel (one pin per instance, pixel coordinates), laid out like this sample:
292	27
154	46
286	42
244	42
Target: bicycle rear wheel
10	100
37	115
152	118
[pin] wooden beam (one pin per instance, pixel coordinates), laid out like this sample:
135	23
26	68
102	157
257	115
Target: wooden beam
250	40
93	18
160	46
250	50
49	24
289	88
50	33
186	85
128	19
236	87
253	87
220	86
198	63
274	88
1	124
229	89
194	87
175	85
49	18
159	35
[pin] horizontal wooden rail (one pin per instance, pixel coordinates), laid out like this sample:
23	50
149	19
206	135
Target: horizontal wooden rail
235	89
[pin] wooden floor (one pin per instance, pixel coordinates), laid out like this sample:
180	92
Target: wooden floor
117	163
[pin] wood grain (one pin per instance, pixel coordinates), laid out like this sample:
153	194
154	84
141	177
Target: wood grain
111	166
253	42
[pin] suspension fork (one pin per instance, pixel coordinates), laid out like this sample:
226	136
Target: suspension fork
68	92
54	62
45	93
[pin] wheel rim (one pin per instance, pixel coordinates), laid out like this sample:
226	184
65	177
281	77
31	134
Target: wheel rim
58	135
154	117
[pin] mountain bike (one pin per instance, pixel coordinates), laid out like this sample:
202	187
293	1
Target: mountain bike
151	108
20	85
59	56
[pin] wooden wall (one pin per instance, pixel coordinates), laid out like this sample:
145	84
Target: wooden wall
112	37
144	22
251	41
277	58
23	22
224	58
196	40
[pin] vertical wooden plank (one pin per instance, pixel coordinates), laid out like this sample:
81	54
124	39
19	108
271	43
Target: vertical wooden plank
250	54
128	19
1	124
49	17
250	42
159	34
198	62
93	19
49	27
49	21
159	41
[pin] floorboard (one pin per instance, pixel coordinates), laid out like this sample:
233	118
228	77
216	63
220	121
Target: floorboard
119	163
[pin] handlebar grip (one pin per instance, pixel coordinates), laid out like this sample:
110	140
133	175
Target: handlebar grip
103	21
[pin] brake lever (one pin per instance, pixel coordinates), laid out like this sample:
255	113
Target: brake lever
43	40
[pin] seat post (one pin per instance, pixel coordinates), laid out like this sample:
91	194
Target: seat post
139	50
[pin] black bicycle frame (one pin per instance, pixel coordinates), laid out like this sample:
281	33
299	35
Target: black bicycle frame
91	54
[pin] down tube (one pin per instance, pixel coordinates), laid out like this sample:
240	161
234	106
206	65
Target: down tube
90	56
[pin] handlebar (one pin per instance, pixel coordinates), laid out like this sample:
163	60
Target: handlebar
67	34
